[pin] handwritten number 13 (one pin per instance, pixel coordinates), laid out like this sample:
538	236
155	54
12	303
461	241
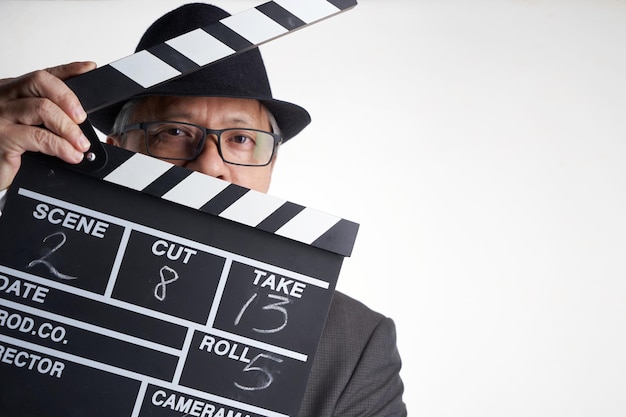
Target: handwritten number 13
253	366
273	306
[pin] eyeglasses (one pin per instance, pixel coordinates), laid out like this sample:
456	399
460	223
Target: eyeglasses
184	141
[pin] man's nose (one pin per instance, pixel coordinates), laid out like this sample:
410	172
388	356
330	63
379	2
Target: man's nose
209	161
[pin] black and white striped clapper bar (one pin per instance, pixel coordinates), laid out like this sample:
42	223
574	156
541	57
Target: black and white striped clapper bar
234	34
133	287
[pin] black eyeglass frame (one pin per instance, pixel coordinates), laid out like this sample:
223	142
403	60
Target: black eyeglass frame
206	131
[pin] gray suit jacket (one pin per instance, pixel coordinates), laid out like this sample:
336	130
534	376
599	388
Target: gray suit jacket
356	369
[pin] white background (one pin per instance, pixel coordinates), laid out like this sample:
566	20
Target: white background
481	146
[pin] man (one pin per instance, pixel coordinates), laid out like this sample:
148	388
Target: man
224	122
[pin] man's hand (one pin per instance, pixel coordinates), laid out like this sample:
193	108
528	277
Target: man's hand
38	99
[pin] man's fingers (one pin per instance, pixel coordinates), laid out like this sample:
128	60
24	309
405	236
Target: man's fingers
48	84
45	85
73	69
41	111
17	139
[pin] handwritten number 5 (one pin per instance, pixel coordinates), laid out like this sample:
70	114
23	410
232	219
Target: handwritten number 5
269	378
43	260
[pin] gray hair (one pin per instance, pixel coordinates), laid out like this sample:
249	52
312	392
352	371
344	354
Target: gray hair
124	116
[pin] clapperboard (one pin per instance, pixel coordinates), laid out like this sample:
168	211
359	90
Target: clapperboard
133	287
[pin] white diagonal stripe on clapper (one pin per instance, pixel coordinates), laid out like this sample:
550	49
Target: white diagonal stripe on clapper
254	26
252	208
195	190
310	10
145	69
200	47
308	225
138	172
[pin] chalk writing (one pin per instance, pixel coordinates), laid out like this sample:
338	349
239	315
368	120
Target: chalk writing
273	306
49	252
160	290
269	377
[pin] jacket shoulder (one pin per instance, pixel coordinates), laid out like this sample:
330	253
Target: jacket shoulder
356	368
349	319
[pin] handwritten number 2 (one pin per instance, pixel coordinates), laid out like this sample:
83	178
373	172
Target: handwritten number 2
49	252
273	306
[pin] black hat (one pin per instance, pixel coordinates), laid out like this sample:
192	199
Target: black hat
242	75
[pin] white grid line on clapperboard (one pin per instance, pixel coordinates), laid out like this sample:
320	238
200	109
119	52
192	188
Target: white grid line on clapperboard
146	312
173	238
162	316
137	376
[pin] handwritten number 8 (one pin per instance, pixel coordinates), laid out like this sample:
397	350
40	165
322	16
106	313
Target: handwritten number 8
160	290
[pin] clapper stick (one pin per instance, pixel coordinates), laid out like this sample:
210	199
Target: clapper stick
190	52
232	35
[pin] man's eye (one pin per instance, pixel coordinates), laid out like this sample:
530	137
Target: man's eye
174	131
240	139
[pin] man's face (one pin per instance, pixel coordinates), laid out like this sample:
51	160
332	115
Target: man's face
212	113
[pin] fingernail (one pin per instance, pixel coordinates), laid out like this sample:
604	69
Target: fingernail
79	114
78	156
84	142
